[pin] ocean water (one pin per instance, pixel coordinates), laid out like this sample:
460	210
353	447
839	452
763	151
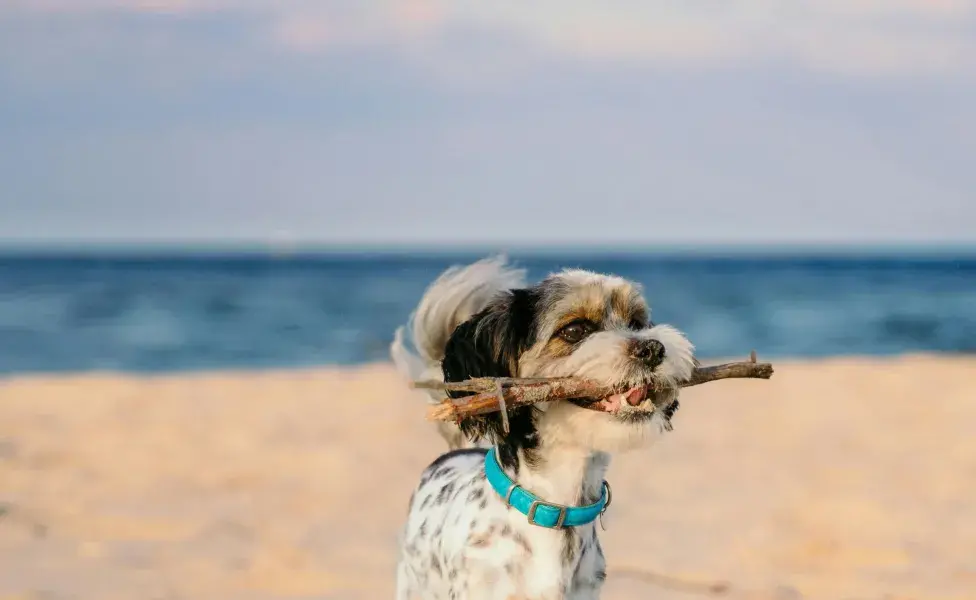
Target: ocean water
153	313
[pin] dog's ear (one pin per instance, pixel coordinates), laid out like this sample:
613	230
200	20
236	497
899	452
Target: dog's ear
489	344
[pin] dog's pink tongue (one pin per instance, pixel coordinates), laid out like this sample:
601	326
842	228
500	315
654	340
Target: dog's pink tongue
614	403
635	396
632	397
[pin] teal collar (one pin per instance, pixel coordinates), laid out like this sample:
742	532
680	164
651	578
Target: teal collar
537	511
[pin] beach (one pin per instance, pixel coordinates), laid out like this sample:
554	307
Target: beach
845	478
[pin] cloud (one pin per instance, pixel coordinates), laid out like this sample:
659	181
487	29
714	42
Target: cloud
854	37
319	27
624	155
365	121
882	38
87	6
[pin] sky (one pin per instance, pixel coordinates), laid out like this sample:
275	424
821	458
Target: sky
563	123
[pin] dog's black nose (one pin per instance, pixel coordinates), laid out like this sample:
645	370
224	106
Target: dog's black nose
649	351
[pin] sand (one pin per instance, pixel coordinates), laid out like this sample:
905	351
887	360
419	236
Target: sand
841	479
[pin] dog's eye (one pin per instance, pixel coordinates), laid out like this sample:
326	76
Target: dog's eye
574	332
636	324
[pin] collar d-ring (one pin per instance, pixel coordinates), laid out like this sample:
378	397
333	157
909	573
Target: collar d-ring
606	484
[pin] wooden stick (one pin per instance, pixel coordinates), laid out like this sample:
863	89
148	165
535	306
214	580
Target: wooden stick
490	394
502	408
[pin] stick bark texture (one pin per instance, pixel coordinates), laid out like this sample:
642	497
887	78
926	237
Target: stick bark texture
491	394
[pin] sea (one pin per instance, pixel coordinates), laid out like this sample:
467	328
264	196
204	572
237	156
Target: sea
183	311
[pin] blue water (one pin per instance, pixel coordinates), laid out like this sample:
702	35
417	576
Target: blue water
183	312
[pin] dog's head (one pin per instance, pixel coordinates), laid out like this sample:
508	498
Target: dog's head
574	323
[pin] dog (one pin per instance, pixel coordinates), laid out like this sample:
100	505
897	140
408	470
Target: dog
512	514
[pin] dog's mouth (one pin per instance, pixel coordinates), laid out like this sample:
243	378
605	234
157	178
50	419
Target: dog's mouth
643	397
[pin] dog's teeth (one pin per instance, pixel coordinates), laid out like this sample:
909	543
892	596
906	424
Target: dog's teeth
613	403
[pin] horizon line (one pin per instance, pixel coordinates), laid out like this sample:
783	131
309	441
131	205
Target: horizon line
83	248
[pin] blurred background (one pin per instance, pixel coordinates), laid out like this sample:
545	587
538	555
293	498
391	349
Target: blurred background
220	183
247	185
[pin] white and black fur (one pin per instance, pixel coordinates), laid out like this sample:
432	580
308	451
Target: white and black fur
461	540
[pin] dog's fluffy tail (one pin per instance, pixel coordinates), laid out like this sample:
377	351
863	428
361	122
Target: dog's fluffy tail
453	298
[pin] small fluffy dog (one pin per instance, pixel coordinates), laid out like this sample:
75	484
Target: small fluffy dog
513	515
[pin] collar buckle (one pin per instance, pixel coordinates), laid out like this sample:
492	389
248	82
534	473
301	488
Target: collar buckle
535	506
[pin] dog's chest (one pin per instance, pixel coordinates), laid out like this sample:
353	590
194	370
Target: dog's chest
589	570
467	543
554	564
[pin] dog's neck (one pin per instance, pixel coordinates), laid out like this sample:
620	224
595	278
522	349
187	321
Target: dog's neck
561	474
